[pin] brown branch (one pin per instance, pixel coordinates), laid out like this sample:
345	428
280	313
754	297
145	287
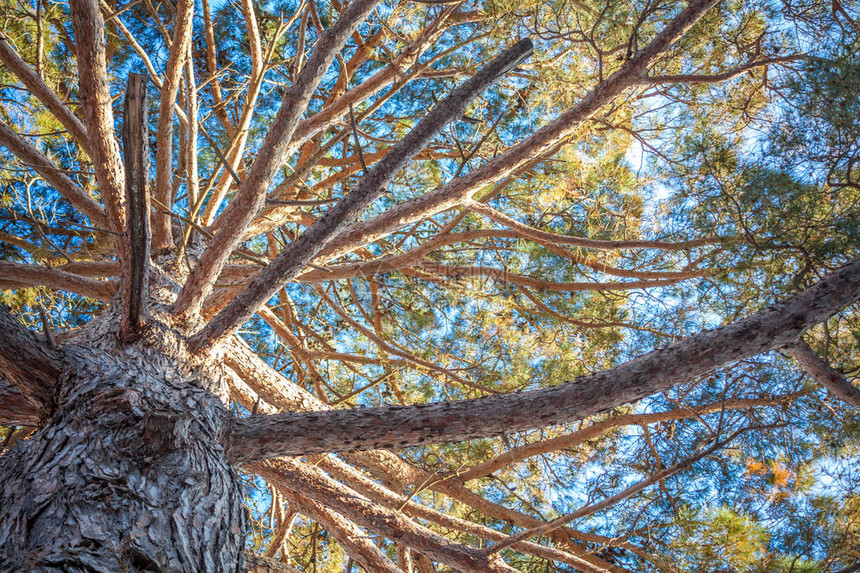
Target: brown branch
407	356
88	27
538	235
309	481
300	252
261	437
260	564
31	366
463	188
355	541
258	379
240	133
41	164
212	68
17	409
820	371
16	275
450	272
135	267
161	229
251	196
40	89
383	495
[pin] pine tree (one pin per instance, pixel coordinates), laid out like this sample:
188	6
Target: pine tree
390	273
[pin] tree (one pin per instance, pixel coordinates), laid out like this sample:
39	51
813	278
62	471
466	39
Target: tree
439	270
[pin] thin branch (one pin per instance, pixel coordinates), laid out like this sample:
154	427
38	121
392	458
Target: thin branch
723	76
300	252
611	500
602	427
538	235
262	437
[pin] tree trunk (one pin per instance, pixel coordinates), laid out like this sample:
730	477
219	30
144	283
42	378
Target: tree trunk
128	474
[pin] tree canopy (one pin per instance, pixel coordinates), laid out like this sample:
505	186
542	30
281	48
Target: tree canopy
609	247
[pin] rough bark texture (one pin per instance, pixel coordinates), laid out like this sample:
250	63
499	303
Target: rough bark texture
261	437
30	365
127	474
135	268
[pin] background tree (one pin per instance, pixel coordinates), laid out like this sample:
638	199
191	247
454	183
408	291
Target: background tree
391	275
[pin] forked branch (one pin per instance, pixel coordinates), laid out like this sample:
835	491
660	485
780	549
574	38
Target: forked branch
251	195
462	189
297	254
261	437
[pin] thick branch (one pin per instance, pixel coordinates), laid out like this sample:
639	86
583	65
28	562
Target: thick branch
16	275
251	196
41	164
258	564
40	89
383	495
258	377
260	437
298	253
824	374
89	27
135	267
16	409
161	237
29	364
464	188
354	540
310	481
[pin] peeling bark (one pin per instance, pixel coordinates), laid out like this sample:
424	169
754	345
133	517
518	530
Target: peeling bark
126	475
30	365
135	268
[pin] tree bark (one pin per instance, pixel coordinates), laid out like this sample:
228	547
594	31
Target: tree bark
261	437
127	475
